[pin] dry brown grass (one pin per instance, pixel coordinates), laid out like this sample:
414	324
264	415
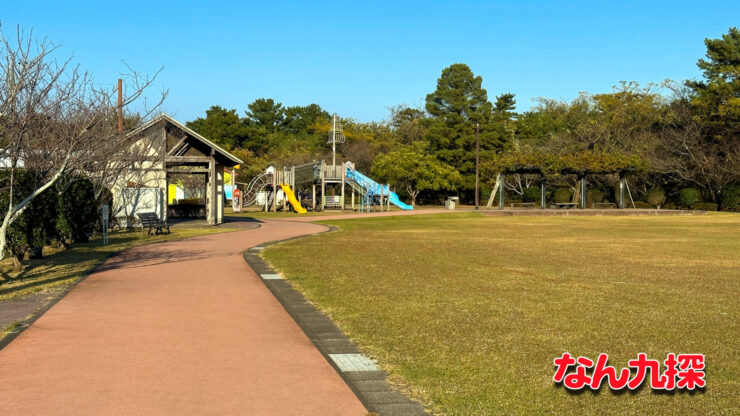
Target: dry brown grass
468	312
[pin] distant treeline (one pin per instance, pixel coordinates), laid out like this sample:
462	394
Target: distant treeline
684	134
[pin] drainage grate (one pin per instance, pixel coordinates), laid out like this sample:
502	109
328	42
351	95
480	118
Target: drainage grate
271	276
353	362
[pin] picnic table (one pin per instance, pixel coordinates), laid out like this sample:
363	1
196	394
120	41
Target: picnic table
522	205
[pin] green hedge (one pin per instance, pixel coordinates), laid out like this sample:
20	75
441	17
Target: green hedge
532	194
687	197
705	206
730	198
77	212
594	195
562	195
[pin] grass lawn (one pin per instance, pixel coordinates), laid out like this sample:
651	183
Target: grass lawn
256	213
61	268
467	312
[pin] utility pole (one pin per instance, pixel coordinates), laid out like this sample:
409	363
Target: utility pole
477	162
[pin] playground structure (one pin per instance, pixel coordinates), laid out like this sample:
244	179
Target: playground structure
319	187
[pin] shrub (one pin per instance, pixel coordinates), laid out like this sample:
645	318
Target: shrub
561	195
594	195
730	198
687	197
655	197
705	206
640	205
77	212
532	194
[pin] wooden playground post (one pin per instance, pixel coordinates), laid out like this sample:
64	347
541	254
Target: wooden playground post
212	194
313	197
353	198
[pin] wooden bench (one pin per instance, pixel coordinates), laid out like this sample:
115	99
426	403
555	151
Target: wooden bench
522	205
150	221
566	205
603	205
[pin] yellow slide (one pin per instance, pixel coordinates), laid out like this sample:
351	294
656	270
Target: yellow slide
293	201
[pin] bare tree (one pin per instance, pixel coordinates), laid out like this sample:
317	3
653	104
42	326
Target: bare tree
690	154
54	121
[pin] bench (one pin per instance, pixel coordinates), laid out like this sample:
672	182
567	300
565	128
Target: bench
566	205
603	205
150	221
522	205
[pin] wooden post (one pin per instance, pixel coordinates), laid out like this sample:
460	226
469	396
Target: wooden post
501	189
212	193
219	213
353	199
313	197
621	192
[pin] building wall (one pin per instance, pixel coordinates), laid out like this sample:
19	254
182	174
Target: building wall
142	188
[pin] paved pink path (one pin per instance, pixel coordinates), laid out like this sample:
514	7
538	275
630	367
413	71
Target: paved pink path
177	328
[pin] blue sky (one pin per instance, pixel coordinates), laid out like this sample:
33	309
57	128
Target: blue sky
359	58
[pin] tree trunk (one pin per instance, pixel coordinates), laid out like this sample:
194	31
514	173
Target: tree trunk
413	194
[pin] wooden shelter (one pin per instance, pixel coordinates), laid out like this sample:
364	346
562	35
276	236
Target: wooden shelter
173	148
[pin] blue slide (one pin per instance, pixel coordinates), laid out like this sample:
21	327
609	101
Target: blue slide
373	188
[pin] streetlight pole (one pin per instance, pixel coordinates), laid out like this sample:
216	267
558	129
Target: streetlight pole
477	163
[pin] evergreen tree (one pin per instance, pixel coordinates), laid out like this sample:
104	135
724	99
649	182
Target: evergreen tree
222	126
717	97
457	105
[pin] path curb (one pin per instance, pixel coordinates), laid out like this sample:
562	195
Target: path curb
370	386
